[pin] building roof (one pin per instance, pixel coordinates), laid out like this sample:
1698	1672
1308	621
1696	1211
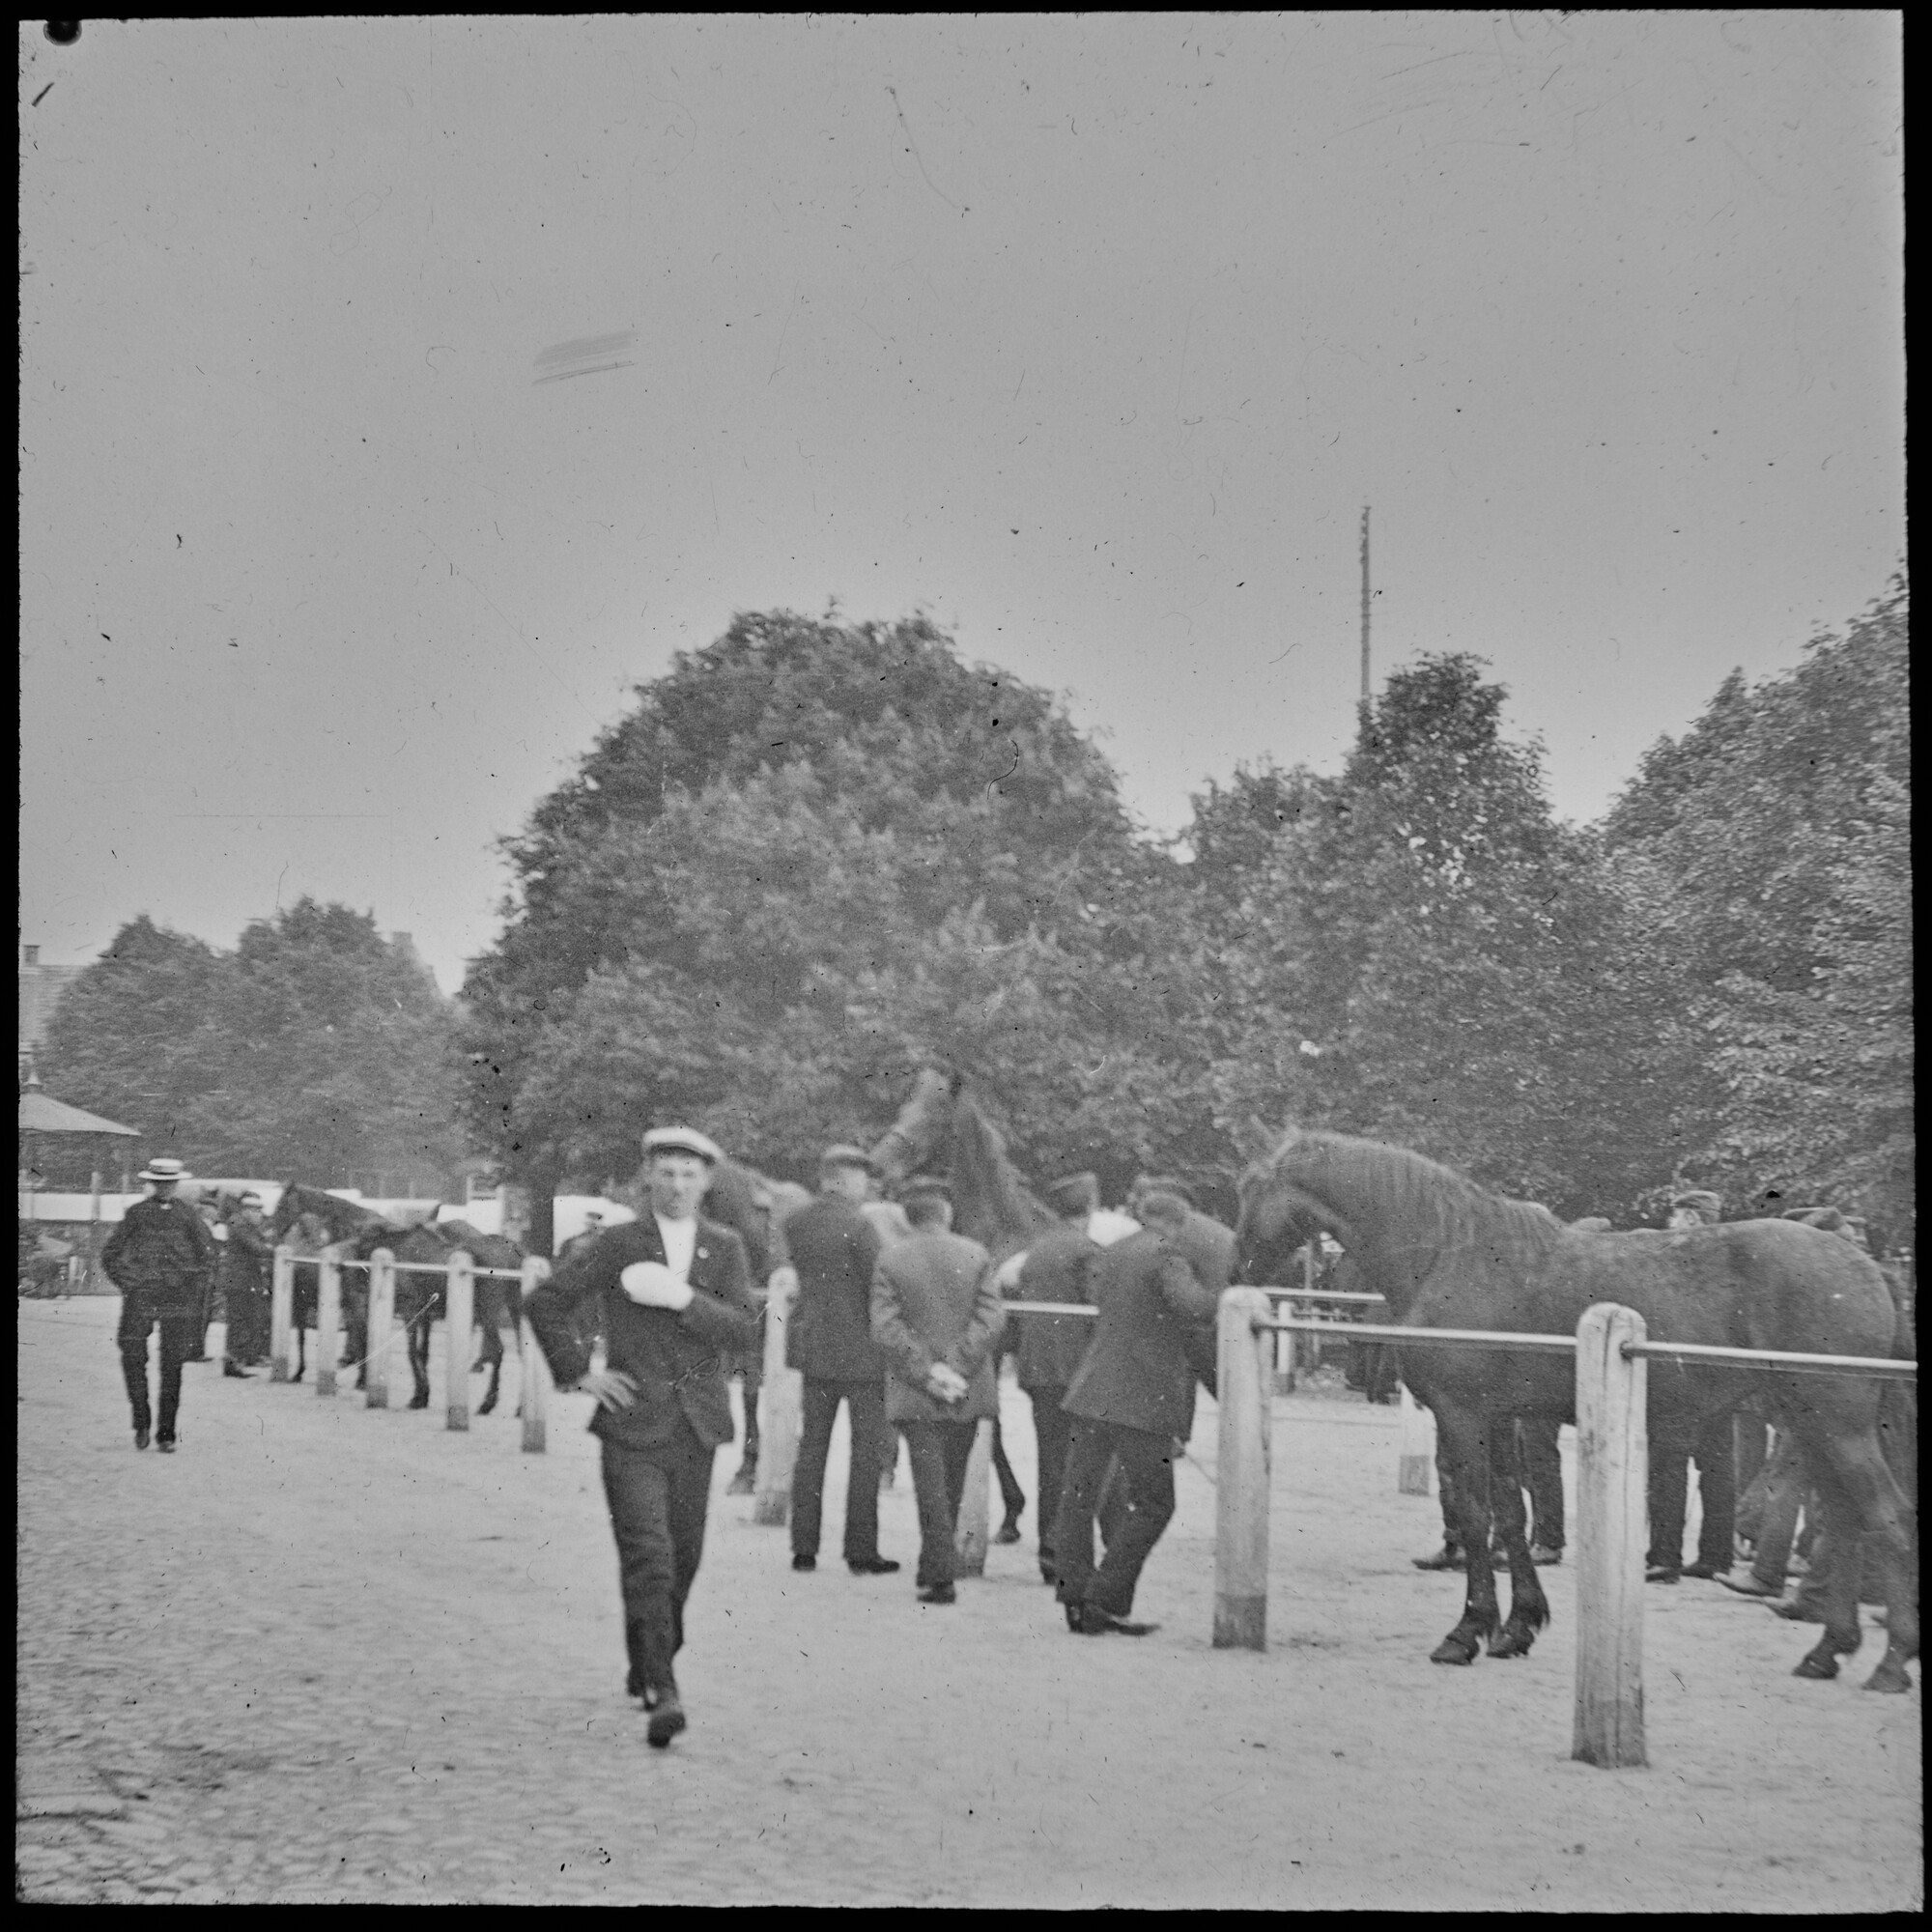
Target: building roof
38	1115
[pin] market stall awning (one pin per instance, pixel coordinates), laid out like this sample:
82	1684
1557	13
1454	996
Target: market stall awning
40	1115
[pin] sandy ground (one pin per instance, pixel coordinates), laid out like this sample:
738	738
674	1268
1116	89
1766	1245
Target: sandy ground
325	1653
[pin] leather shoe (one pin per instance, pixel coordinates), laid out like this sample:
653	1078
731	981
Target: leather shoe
1096	1622
1448	1557
667	1718
166	1445
874	1566
804	1563
1708	1571
745	1482
1662	1575
1749	1587
240	1375
140	1439
1542	1555
1796	1613
939	1593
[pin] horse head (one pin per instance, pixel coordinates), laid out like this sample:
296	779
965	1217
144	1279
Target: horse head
919	1135
1283	1207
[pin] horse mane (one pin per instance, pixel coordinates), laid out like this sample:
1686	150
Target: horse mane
1438	1208
922	1123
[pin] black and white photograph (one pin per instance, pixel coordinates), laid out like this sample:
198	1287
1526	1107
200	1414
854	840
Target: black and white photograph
966	960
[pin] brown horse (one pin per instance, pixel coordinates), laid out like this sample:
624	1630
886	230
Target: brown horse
1448	1254
309	1219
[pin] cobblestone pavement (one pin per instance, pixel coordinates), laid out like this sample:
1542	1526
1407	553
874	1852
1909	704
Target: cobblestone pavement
325	1653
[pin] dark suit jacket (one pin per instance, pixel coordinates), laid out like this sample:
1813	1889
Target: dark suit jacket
1137	1371
161	1248
829	1335
247	1260
933	1300
675	1358
1058	1267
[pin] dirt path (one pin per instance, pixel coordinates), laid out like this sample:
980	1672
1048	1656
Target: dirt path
325	1653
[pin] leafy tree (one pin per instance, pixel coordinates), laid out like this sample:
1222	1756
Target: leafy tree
813	856
1780	829
317	1049
1424	953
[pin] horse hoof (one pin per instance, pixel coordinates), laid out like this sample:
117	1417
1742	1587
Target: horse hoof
419	1402
1510	1643
1890	1677
484	1408
1453	1650
1818	1664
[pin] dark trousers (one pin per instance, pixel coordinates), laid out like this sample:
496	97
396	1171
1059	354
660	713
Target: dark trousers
866	1408
1146	1476
247	1326
1714	1454
178	1329
1536	1441
1012	1499
658	1498
939	1451
751	1367
1051	1428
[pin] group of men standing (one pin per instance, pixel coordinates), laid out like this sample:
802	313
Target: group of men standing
170	1259
902	1326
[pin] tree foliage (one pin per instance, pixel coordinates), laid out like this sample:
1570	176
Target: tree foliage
316	1049
814	856
1779	831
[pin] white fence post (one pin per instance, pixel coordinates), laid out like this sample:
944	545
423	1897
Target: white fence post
778	1405
459	1321
1415	1459
281	1301
1242	1477
533	1403
381	1316
328	1318
1612	1465
969	1533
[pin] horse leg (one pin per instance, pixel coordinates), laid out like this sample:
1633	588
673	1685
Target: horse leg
1464	1436
493	1353
1529	1607
1864	1500
420	1339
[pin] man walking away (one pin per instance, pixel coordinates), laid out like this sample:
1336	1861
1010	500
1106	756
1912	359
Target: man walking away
1132	1399
829	1340
160	1257
937	1316
247	1275
674	1292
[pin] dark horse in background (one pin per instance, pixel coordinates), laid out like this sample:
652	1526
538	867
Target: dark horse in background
1448	1254
308	1219
419	1297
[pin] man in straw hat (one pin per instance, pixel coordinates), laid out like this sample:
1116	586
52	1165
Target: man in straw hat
675	1294
160	1257
829	1340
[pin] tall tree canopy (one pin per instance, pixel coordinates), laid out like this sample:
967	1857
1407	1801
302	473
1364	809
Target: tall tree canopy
316	1049
1776	834
814	855
1422	953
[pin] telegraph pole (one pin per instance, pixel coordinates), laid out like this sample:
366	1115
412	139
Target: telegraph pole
1364	603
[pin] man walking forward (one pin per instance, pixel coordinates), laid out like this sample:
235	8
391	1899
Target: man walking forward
675	1294
161	1257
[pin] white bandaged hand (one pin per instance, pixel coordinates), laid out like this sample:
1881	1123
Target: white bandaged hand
652	1285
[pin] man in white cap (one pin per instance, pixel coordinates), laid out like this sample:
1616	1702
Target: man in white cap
160	1257
675	1295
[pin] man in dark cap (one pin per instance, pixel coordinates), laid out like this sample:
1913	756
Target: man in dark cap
160	1257
1132	1399
1715	1451
1050	1348
829	1340
937	1316
675	1294
248	1270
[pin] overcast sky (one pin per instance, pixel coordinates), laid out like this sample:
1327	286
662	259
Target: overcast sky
396	394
